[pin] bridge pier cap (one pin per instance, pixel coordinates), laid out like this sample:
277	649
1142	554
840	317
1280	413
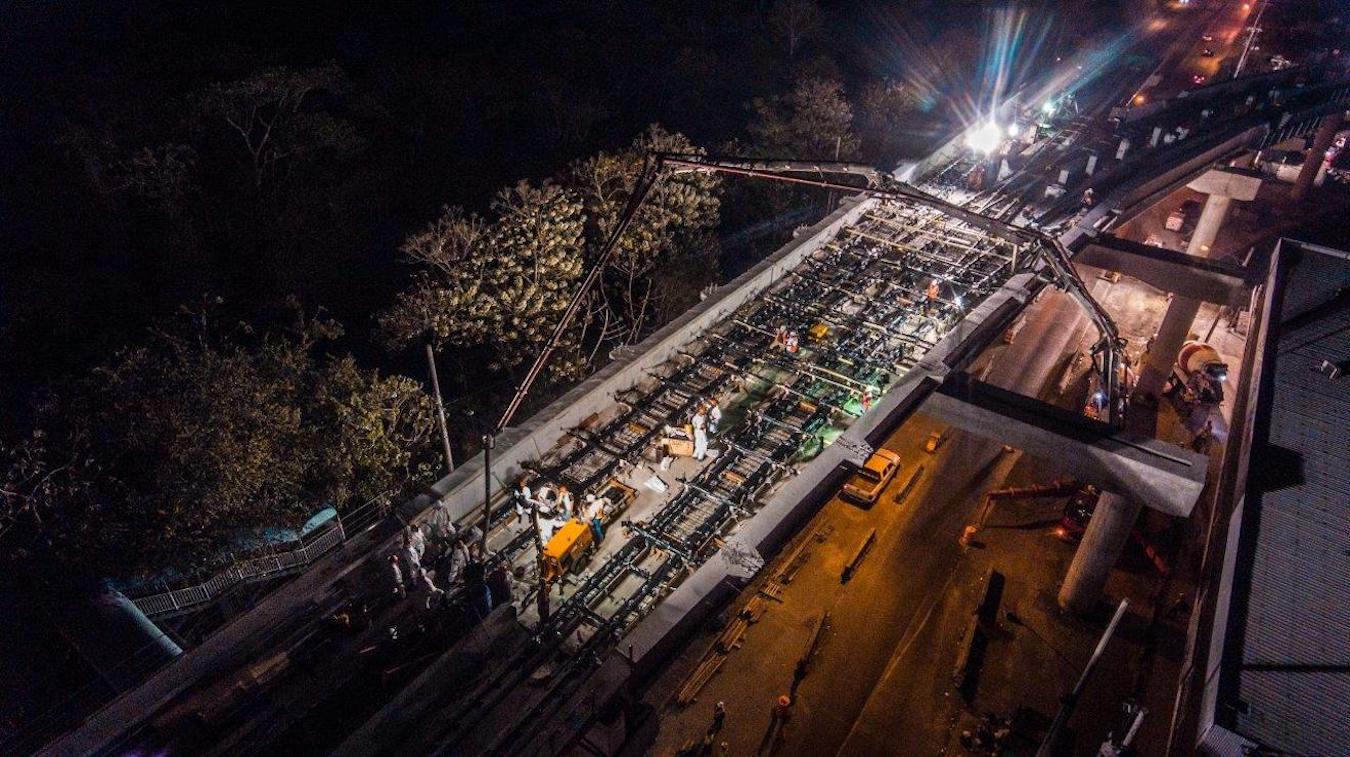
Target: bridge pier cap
1232	183
1223	185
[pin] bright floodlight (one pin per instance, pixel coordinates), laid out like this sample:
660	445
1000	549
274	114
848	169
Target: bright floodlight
1013	130
985	139
1048	108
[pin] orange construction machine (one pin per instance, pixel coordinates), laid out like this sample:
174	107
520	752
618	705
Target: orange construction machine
572	543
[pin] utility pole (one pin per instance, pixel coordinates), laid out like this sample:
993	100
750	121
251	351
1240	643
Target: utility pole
440	412
829	193
489	441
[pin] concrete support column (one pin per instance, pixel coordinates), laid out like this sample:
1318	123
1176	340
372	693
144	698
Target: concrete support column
1207	227
1172	333
1102	543
1312	163
1223	185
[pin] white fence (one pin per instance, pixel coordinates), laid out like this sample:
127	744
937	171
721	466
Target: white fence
243	571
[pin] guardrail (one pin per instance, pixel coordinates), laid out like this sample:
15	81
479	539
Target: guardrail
249	570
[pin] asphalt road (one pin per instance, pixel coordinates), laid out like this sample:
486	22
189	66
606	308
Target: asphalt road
1186	58
876	614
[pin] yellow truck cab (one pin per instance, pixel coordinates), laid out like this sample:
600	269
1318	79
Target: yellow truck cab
572	542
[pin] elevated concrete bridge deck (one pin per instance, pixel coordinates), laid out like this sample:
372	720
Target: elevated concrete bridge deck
1102	456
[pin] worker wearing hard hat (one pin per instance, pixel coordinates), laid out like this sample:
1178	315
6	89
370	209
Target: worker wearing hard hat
523	499
566	505
934	289
714	416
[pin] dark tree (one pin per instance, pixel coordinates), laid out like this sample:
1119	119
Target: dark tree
189	445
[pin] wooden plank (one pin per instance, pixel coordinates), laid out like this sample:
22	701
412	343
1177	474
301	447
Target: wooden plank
731	635
772	590
698	679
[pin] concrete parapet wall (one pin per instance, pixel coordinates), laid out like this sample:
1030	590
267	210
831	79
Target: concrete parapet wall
1186	170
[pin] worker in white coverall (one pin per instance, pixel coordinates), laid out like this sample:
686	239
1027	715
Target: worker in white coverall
700	424
523	499
566	505
595	514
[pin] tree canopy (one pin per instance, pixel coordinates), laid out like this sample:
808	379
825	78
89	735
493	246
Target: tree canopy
794	21
186	446
663	257
266	115
499	285
813	121
886	118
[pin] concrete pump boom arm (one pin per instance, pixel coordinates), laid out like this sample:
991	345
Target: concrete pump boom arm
884	186
878	185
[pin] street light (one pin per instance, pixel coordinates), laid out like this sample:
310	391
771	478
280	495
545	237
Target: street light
986	139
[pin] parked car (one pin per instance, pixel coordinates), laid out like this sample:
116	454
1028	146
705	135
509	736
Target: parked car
1175	220
869	481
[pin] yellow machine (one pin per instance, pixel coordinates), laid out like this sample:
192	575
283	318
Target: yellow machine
818	332
566	548
570	544
674	446
677	447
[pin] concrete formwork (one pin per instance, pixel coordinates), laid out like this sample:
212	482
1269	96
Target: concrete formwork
462	490
760	536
